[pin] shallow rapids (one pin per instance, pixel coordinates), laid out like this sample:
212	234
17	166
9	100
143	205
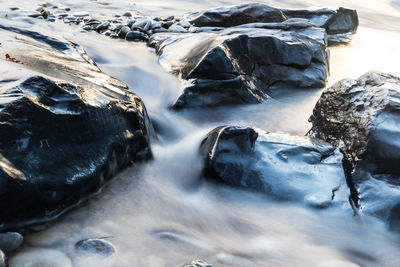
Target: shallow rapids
163	213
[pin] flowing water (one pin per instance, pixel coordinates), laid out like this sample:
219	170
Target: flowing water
162	213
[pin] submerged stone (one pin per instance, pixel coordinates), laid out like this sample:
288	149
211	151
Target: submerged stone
363	118
285	167
10	241
66	128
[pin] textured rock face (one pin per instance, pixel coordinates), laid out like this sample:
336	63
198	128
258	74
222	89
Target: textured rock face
236	15
64	134
339	23
362	116
238	65
293	168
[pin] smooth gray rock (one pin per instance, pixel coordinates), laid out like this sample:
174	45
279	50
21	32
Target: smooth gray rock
10	241
292	168
136	36
123	32
239	65
363	117
99	247
103	26
143	24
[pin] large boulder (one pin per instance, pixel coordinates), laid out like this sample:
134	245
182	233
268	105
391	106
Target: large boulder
239	65
294	168
339	23
363	118
65	126
235	15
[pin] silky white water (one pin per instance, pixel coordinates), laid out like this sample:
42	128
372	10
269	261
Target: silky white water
163	213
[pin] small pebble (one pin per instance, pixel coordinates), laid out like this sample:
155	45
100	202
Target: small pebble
130	23
184	24
127	14
156	25
10	241
136	36
177	28
198	263
142	24
103	26
95	246
167	24
123	32
170	18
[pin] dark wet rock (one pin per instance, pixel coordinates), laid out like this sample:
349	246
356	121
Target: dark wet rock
167	24
93	22
87	28
127	14
100	247
293	168
339	24
123	32
170	18
198	263
136	36
342	20
363	118
236	15
143	24
239	65
35	15
66	128
103	26
10	241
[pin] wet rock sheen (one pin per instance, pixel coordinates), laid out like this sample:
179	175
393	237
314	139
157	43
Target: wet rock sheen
238	65
362	117
63	135
293	168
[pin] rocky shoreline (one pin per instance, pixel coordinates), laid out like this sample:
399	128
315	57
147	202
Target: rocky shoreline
67	127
